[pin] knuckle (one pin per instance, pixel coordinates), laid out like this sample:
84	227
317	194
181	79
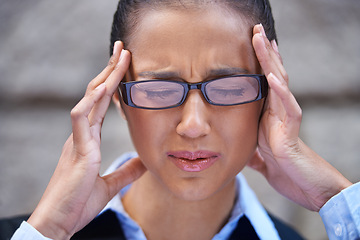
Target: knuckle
286	76
75	113
91	85
112	61
269	48
284	85
297	115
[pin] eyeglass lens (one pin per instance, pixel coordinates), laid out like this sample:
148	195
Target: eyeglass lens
224	91
157	94
232	90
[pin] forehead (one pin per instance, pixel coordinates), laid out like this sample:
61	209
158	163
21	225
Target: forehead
195	38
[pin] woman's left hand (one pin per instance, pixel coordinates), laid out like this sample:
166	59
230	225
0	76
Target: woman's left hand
289	165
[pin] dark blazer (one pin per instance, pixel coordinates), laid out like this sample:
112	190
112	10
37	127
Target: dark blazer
107	227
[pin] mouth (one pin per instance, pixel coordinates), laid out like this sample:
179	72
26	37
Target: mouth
193	161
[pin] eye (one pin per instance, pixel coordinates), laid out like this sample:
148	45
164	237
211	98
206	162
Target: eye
156	93
159	94
232	90
228	92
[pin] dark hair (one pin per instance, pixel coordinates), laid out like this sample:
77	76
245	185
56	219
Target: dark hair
128	13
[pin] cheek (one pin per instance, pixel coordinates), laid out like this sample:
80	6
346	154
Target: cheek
147	130
240	119
239	131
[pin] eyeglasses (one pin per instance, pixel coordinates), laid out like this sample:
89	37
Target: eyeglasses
225	91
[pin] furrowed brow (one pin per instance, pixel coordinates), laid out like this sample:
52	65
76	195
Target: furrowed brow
227	71
158	75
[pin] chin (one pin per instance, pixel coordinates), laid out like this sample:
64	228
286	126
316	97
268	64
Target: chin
194	190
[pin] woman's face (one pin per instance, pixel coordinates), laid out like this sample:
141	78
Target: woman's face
197	149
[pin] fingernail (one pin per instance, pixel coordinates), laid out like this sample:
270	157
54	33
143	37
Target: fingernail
262	30
261	26
121	54
116	46
271	75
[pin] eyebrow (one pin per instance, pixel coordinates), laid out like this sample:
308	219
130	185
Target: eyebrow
225	71
160	75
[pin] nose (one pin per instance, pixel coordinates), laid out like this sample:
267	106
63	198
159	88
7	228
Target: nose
194	121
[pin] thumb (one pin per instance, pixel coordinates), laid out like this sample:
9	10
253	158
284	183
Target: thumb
124	175
257	163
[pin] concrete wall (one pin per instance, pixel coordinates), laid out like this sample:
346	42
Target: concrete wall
49	50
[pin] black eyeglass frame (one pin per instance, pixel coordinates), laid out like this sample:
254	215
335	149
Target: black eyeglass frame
125	88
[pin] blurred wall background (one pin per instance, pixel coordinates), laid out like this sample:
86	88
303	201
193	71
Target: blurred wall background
50	50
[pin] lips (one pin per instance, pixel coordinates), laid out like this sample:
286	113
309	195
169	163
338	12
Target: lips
193	161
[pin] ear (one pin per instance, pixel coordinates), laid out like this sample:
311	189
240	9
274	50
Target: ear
118	103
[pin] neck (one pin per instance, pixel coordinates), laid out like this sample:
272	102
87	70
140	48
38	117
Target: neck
161	214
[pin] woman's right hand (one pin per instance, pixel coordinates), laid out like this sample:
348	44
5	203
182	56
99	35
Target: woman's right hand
76	192
288	164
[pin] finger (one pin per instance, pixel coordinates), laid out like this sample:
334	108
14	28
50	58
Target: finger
97	114
273	104
293	112
79	117
276	49
267	54
269	62
118	45
124	175
273	50
119	71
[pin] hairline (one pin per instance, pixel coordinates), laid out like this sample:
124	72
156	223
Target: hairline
188	6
